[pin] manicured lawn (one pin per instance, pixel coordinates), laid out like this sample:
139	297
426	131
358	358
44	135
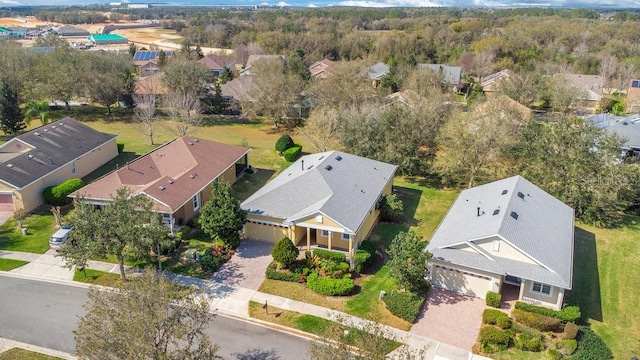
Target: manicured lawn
301	292
96	277
606	286
22	354
40	228
10	264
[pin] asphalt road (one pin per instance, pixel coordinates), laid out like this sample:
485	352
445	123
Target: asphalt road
45	314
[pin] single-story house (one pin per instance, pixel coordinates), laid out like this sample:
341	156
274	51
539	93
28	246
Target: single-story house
327	200
48	156
450	74
505	234
490	83
376	72
107	39
216	64
590	88
68	31
142	57
626	127
633	96
150	85
321	69
255	58
177	177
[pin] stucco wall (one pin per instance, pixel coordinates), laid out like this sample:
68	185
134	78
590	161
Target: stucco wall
541	299
504	250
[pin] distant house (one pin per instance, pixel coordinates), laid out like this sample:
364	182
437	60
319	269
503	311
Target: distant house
507	236
68	31
589	86
490	83
150	85
505	101
149	68
321	69
327	200
255	58
47	156
177	177
633	96
106	39
626	127
142	57
376	72
407	97
236	91
450	74
216	64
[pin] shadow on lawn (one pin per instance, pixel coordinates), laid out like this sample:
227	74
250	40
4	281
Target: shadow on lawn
250	183
586	281
111	165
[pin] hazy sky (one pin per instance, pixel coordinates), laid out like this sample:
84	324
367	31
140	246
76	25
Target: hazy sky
376	3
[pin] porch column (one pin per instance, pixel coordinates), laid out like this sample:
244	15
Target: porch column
289	234
560	299
351	246
309	239
329	240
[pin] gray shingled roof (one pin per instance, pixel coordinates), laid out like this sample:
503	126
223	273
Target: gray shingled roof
543	231
450	74
377	71
53	145
341	186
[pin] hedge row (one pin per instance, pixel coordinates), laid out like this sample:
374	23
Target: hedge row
292	153
568	313
493	299
57	195
590	346
536	321
492	339
330	255
330	287
405	305
283	275
529	342
496	317
363	260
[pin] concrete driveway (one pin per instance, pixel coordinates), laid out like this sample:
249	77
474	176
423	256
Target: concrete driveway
450	318
247	266
4	216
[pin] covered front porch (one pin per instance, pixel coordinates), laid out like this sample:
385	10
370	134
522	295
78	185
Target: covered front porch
515	289
308	238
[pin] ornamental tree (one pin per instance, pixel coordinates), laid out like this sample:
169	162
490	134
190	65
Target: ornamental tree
285	252
222	215
408	261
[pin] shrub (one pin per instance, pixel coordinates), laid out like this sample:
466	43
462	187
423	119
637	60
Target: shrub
363	260
568	313
496	317
493	299
566	347
405	305
330	287
330	255
553	354
368	246
590	346
283	143
391	208
292	153
344	267
492	339
57	195
209	262
529	342
285	252
570	331
274	274
536	321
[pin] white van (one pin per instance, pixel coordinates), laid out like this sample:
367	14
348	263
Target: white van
60	237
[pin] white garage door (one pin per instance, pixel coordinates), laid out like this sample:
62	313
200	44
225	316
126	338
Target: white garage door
264	232
6	202
460	281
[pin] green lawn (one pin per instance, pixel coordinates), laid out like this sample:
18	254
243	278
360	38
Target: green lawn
10	264
96	277
40	228
606	286
22	354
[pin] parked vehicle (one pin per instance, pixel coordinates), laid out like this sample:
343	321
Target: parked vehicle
60	237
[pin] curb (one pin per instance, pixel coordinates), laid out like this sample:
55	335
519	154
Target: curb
10	344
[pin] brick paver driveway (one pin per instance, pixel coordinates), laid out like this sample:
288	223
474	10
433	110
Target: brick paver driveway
247	266
450	318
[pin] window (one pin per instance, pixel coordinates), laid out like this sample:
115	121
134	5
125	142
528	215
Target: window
635	84
541	288
345	237
73	167
196	202
319	219
325	233
496	246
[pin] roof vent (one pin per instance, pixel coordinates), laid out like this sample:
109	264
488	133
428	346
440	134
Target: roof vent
504	192
170	181
36	133
514	215
45	130
161	187
9	165
338	157
195	140
328	167
321	157
190	143
53	127
61	123
496	211
520	195
30	156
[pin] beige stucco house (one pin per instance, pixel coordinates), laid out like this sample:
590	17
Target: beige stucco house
327	200
177	177
503	236
48	156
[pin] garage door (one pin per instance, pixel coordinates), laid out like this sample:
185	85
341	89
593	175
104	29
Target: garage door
460	281
6	202
265	232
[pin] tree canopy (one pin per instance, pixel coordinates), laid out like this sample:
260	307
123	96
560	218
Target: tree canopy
222	216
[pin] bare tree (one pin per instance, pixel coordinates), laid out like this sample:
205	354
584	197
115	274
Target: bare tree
145	99
483	63
626	73
321	129
242	51
608	68
185	111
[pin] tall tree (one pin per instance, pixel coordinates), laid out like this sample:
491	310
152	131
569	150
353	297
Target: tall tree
108	78
145	106
184	76
408	261
184	109
39	109
321	129
11	118
222	215
149	317
126	227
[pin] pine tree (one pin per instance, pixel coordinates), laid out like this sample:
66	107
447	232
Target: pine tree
11	118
